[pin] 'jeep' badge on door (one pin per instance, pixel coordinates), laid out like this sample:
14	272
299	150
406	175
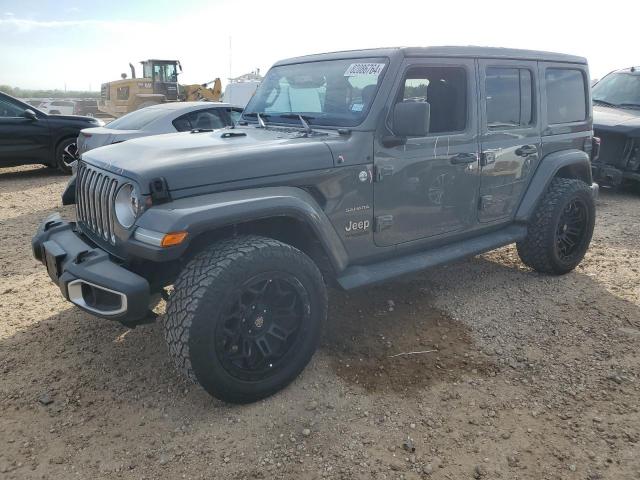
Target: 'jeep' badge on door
355	228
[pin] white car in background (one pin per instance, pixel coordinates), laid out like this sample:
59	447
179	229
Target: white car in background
159	119
58	107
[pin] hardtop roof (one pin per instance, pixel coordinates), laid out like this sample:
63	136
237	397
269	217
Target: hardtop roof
444	51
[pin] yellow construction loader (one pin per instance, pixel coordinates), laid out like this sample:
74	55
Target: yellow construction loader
159	84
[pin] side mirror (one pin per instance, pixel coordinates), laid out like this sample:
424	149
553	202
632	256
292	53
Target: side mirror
30	114
411	119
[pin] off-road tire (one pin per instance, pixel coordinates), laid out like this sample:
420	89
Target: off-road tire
62	160
538	250
194	309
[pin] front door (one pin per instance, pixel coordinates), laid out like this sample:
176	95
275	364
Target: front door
429	185
22	139
510	136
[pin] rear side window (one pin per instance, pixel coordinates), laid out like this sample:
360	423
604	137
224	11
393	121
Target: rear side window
509	98
209	119
566	95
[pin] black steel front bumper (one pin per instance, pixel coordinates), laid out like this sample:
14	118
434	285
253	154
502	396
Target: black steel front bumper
87	276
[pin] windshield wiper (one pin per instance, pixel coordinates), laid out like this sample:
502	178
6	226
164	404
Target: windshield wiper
629	104
260	116
303	120
606	104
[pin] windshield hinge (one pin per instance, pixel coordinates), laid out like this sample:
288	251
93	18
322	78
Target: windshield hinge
159	191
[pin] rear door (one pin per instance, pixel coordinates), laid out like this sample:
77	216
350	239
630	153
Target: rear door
510	134
22	139
428	186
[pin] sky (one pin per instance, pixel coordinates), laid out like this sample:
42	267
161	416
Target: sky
80	44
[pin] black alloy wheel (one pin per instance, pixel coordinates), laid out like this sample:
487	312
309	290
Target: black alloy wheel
570	234
260	326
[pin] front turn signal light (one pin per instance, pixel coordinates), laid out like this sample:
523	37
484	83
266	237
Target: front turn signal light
172	239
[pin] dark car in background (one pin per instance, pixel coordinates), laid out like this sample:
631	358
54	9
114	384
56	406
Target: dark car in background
616	121
28	135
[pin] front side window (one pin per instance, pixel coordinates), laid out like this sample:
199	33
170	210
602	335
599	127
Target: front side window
509	98
566	95
445	89
620	89
9	109
334	92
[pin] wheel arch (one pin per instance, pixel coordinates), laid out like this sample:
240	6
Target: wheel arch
288	214
571	163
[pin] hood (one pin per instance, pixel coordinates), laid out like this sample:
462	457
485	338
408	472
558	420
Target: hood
188	160
621	120
77	118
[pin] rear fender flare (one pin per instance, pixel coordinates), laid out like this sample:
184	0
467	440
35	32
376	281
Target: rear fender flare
548	169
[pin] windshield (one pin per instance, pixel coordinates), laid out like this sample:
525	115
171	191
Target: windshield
333	92
138	119
618	89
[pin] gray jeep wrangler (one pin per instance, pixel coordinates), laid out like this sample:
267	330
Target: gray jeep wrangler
347	169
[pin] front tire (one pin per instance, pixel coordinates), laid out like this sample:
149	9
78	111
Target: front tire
245	317
561	228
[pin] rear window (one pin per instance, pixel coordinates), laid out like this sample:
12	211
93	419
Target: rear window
566	95
138	119
209	119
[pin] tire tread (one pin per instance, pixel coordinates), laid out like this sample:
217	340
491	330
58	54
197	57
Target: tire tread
534	250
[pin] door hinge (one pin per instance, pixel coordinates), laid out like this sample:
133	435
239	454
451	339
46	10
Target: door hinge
485	202
383	222
383	171
488	157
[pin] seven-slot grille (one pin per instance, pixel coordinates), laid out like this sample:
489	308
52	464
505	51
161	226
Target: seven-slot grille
95	194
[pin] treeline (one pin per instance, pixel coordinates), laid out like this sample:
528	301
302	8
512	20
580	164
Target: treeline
29	93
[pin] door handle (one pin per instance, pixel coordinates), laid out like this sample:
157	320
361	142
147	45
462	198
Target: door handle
526	150
462	158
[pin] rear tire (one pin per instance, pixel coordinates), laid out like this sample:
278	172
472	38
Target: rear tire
561	228
245	317
65	155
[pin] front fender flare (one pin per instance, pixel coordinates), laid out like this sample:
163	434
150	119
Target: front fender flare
204	213
546	171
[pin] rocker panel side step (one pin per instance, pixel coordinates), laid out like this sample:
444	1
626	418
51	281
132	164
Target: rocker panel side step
362	275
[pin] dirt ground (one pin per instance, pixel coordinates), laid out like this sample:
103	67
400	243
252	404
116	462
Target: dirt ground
524	376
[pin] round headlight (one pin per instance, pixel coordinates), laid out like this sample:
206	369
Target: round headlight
126	205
